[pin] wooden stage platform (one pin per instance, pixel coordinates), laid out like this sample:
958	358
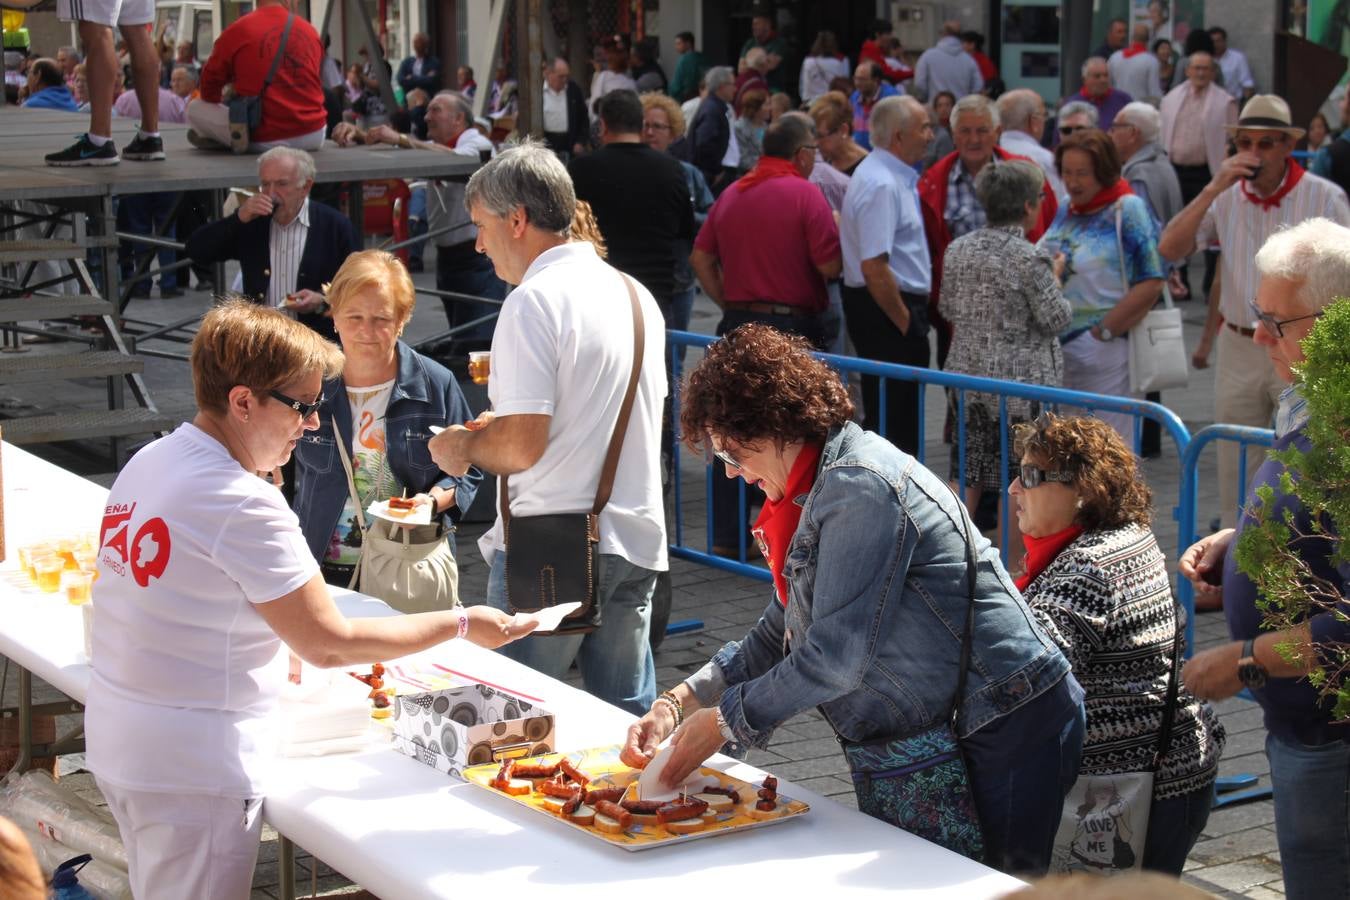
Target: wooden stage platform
27	135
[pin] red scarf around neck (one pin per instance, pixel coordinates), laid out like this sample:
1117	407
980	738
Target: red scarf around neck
1133	50
1292	176
778	519
1041	551
1105	196
767	167
1095	101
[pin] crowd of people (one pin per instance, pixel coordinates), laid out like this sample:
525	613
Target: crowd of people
867	209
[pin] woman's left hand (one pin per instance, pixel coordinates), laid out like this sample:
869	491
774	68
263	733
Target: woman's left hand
693	742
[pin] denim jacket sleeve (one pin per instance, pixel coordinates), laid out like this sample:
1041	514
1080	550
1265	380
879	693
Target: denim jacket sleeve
865	544
742	660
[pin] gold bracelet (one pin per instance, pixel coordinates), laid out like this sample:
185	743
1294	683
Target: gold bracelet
404	142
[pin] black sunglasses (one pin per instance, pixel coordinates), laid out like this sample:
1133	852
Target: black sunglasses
1033	476
304	409
1276	326
1067	130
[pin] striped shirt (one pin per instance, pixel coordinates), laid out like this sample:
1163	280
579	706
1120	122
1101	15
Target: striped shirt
285	247
1241	227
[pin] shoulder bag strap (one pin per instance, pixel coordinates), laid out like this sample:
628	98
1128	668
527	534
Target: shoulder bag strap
1170	708
356	499
611	464
281	51
967	636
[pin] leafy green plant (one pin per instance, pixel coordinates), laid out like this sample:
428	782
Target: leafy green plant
1270	552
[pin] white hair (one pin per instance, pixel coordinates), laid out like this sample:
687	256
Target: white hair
1088	62
890	115
974	104
1144	117
303	162
1079	107
1315	254
1015	108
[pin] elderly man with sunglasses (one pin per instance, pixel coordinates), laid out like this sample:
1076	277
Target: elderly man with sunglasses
1255	193
1303	270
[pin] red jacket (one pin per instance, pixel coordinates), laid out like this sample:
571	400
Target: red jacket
933	199
870	51
293	103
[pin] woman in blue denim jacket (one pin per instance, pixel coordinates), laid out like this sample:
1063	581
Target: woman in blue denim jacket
382	405
868	553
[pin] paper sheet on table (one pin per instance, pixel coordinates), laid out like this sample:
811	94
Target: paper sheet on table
550	617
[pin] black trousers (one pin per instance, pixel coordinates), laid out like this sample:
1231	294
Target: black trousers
875	337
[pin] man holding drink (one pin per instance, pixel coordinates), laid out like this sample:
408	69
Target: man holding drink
1255	193
564	347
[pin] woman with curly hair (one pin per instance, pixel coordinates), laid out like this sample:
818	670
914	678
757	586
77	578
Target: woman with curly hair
868	551
1097	584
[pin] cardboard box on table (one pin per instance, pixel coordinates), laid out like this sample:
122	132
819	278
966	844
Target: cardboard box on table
452	729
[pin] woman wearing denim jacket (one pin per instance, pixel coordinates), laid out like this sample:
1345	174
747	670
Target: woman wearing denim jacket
383	404
868	554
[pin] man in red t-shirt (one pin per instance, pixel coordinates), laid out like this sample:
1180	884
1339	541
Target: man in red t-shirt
764	254
293	113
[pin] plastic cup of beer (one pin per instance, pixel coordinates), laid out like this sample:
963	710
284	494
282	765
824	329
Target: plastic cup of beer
65	548
28	554
47	572
78	586
88	562
480	365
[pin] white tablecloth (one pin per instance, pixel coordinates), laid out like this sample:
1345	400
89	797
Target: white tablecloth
403	830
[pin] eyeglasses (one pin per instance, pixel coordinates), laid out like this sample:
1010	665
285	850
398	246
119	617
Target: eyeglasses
727	459
1033	476
1273	325
265	186
304	409
1067	130
655	126
1264	145
1119	124
811	147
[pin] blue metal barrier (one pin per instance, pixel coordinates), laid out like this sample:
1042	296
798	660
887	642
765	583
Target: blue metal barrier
678	341
1189	494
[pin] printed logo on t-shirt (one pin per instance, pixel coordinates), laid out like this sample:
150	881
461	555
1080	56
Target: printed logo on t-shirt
146	554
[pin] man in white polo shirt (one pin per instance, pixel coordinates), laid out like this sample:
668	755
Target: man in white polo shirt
562	356
1254	193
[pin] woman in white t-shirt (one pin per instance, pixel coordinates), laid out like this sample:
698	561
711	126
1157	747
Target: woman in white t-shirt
203	573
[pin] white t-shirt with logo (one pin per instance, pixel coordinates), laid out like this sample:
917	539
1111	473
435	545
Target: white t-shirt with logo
370	468
186	672
563	347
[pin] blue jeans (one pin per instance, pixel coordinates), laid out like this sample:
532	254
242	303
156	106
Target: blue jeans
615	659
417	221
142	214
460	268
1174	825
1021	766
1312	816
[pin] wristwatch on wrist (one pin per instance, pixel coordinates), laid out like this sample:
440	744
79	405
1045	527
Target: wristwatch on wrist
1250	672
1104	332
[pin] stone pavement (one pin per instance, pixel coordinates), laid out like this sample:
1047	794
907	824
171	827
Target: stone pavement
1236	856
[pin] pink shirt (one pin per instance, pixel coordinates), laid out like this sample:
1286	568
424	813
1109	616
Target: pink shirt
769	241
172	108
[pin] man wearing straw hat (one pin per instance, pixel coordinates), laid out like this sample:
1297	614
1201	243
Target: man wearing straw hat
1255	192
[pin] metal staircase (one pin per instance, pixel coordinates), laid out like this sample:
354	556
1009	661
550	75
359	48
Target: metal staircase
28	307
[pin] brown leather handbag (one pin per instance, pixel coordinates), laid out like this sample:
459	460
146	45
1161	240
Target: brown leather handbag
550	559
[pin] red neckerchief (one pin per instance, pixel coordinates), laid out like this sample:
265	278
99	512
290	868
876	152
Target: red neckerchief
1041	551
1292	176
1105	196
1095	101
1133	50
767	167
778	519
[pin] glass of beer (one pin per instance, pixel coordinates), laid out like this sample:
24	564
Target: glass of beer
480	366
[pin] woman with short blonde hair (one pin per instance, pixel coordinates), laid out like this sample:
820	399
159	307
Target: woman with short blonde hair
203	574
382	408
